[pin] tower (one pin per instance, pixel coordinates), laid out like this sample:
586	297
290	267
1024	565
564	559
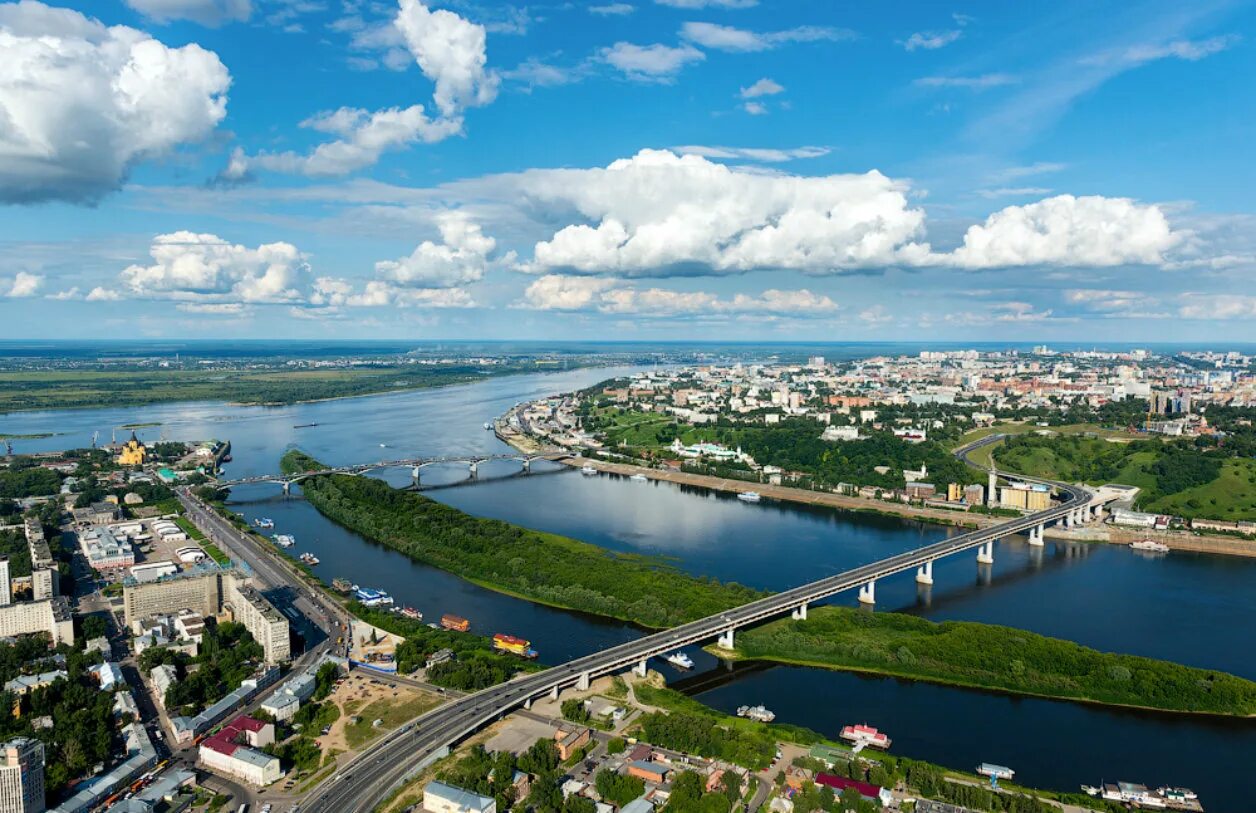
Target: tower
991	489
22	776
6	587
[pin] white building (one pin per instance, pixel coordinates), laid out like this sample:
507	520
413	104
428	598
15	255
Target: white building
236	751
439	797
22	776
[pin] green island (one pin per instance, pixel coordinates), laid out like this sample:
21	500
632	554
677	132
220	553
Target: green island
542	567
273	384
987	656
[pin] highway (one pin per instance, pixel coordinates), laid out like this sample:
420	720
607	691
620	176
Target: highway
367	780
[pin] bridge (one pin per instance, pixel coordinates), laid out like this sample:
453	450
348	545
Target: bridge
415	464
368	779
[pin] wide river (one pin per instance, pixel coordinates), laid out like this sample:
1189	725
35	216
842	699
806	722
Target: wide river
1195	609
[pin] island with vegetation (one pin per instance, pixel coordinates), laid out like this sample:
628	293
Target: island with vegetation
542	567
987	656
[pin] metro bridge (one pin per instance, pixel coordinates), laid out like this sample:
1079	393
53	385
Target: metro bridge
361	784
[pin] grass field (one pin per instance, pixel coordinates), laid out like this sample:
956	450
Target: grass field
1232	496
391	711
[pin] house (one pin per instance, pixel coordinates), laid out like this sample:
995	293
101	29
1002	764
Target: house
873	793
569	742
648	771
236	751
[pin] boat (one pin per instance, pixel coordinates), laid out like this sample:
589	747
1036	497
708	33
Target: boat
995	771
1178	794
264	522
488	426
410	612
680	660
760	713
514	646
639	478
749	496
309	558
369	597
383	446
587	470
1149	545
303	425
865	735
285	540
343	585
455	622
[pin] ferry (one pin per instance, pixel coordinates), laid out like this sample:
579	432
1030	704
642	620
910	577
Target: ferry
455	622
285	540
309	558
264	522
861	734
749	496
639	478
680	660
587	470
372	598
760	714
410	612
1149	545
514	646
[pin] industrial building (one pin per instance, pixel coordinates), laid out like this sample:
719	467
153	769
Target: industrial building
22	776
439	797
1025	496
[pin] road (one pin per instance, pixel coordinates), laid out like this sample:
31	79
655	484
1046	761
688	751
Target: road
366	781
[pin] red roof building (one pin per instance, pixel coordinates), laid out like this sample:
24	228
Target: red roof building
873	793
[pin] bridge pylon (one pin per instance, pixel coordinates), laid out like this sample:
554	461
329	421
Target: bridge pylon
985	553
924	573
868	593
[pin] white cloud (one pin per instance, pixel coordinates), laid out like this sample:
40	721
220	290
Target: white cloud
662	214
650	62
1217	306
931	40
876	315
21	285
1014	191
765	154
1189	50
697	4
205	12
363	137
614	296
1066	230
81	103
214	308
101	294
535	73
462	257
192	267
612	9
763	87
1027	171
451	51
331	293
1116	303
728	38
755	108
67	295
982	82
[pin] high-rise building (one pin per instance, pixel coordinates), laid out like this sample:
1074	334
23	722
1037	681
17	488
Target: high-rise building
6	588
22	776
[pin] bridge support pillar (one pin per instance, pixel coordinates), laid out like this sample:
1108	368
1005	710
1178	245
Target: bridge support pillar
582	684
985	553
1035	536
639	669
527	704
1067	521
554	693
868	593
415	475
287	488
924	573
800	613
527	465
726	640
473	468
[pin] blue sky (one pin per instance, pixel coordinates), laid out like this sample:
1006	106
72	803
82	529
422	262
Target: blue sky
708	169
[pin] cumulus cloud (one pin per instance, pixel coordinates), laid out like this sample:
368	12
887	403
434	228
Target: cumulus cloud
663	214
876	315
656	63
930	40
450	51
332	293
102	294
21	285
1217	306
190	266
1090	231
763	87
461	257
728	38
614	296
205	12
81	103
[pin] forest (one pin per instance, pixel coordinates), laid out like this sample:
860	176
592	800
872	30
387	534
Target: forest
994	657
542	567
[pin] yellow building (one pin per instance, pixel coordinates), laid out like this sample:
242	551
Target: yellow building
132	453
954	492
1025	496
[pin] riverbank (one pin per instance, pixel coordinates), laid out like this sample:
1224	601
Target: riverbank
995	658
541	567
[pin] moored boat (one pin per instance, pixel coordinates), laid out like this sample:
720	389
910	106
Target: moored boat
309	558
1149	545
587	470
514	646
749	496
861	734
639	478
680	660
264	522
285	540
410	612
455	622
760	713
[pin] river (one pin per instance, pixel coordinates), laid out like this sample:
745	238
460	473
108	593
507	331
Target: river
1191	608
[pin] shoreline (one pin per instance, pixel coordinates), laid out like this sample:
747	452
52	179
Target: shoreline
1186	542
734	656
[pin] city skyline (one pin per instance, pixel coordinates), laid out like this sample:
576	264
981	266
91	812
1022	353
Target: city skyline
677	169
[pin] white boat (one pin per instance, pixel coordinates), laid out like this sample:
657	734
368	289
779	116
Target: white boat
680	660
639	478
264	522
1149	545
588	470
309	558
749	496
285	540
759	714
488	426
